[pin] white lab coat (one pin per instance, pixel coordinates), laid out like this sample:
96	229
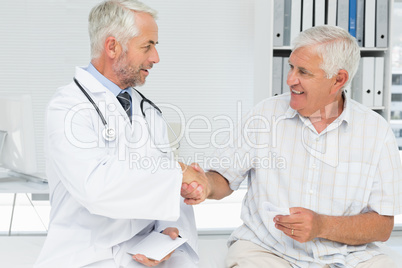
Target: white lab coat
103	195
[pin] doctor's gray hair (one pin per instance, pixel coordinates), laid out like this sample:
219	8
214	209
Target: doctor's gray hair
335	46
114	18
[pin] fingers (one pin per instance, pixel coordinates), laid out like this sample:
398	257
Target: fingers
192	202
296	210
295	218
145	261
290	231
195	186
172	232
302	225
197	168
192	190
189	188
190	175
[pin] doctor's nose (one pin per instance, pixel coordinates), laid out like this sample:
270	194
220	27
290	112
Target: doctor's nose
154	57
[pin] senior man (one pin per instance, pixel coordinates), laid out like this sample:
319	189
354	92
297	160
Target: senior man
338	173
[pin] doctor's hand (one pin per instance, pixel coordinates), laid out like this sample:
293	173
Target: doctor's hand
302	224
195	188
170	231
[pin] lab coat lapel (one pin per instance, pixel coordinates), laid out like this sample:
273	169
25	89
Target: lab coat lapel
100	93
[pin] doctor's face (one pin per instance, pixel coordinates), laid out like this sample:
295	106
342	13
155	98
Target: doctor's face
132	67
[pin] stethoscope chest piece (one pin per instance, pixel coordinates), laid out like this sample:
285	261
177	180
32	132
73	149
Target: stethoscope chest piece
109	134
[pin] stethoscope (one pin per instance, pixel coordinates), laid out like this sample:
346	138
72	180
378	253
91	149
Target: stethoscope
109	133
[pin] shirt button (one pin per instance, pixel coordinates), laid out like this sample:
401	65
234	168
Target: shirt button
314	166
317	139
311	191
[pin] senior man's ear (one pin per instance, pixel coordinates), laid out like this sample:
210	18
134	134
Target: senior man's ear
341	78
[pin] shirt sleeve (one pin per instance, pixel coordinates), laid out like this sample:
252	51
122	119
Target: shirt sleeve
386	194
235	160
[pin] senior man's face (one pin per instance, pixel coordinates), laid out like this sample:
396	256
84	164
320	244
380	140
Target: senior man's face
133	67
309	88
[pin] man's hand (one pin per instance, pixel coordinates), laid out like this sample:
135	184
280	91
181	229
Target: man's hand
196	187
351	230
302	224
173	233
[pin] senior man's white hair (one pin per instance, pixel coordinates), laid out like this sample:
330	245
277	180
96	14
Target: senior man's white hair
337	48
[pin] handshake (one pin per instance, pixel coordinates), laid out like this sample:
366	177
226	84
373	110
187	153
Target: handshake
196	186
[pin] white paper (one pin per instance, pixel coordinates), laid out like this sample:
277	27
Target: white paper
156	246
274	210
271	211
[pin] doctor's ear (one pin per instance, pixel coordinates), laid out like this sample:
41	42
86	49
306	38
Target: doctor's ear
112	47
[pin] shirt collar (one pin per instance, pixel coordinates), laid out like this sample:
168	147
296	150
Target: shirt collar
344	116
112	87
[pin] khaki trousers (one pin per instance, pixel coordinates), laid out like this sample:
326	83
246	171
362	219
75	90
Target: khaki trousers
245	254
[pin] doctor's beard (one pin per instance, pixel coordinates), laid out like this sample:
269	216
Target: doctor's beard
129	76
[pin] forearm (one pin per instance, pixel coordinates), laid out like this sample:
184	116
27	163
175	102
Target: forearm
358	229
219	186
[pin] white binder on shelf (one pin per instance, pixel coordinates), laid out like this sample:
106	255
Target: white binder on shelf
286	22
285	70
277	76
319	12
381	32
348	92
295	23
379	82
331	11
307	16
279	12
369	23
356	86
368	81
343	14
360	22
364	86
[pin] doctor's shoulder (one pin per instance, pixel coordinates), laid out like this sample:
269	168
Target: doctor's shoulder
66	97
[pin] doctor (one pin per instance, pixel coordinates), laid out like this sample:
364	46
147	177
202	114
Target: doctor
103	199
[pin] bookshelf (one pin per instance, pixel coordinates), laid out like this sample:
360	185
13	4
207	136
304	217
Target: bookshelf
266	48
